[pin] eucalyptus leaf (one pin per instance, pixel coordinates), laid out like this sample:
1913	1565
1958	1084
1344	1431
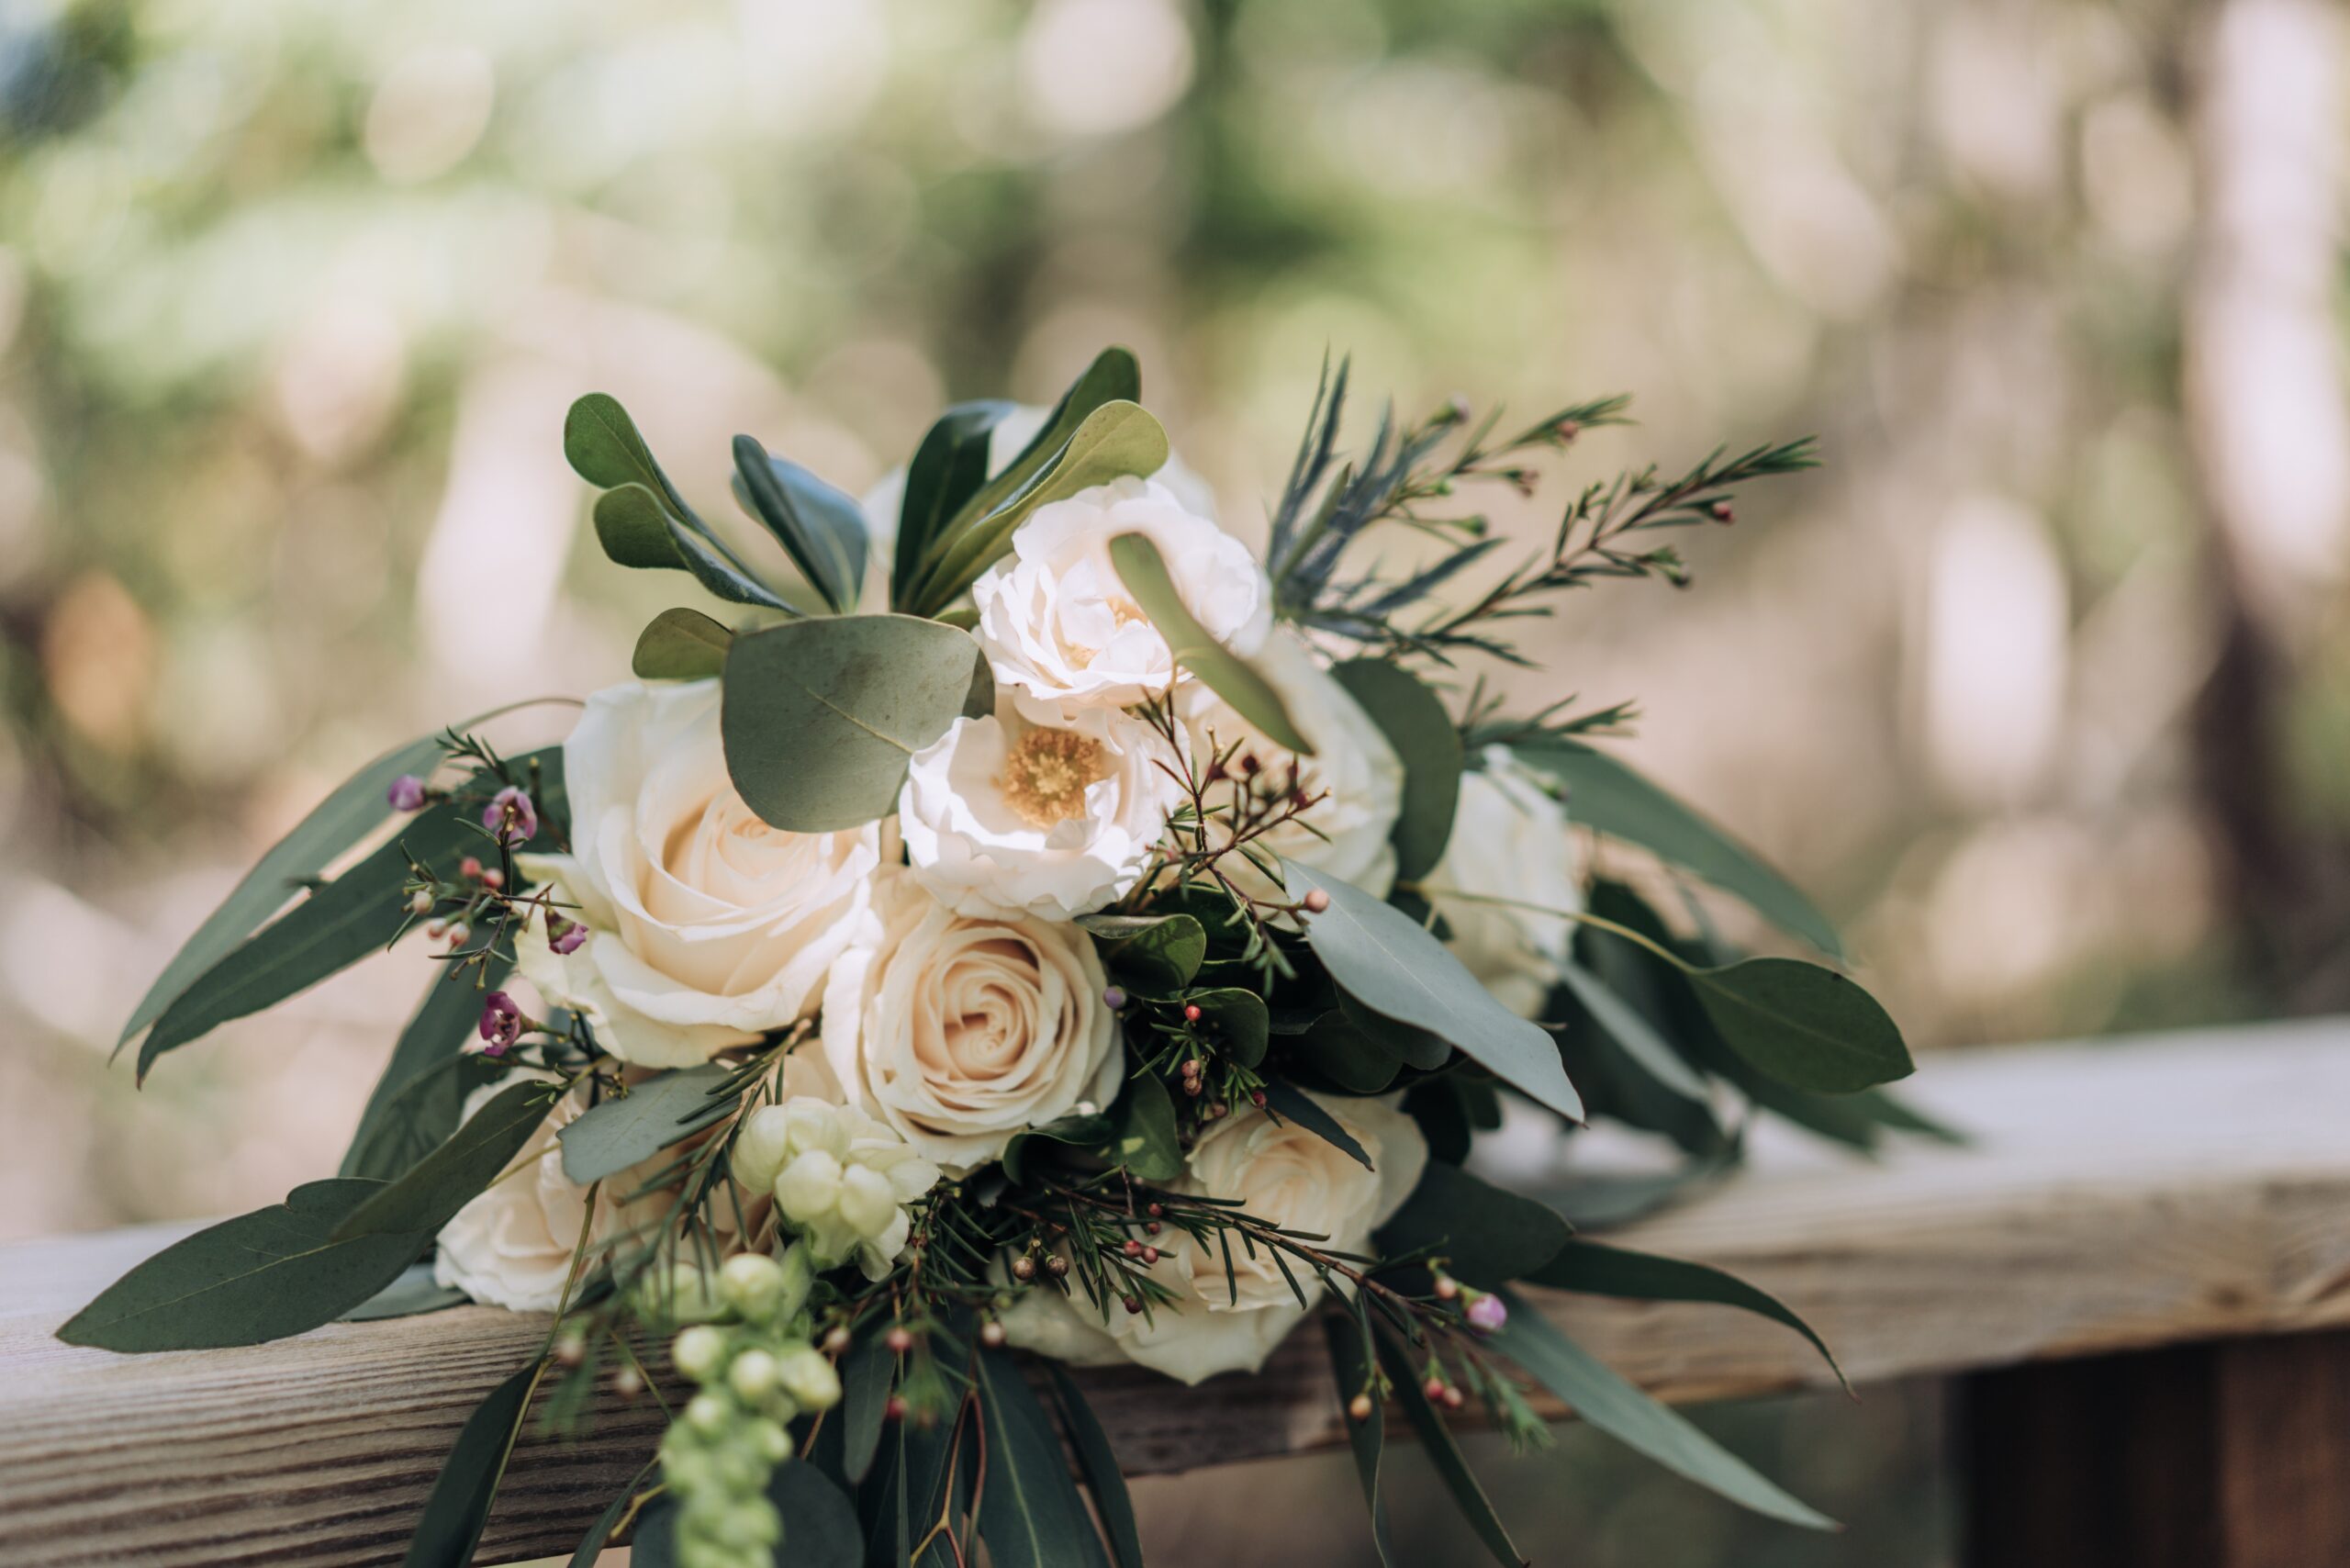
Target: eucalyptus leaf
617	1133
412	1295
1335	1048
820	1528
418	1100
601	443
820	717
1030	1514
1145	1142
865	1378
1487	1236
1413	1047
1605	795
820	527
459	1505
453	1175
1592	1268
1633	1033
718	570
1143	571
1427	741
1605	1400
681	644
337	822
633	528
947	469
1377	956
1444	1454
1099	1463
263	1276
1118	440
1288	1102
1806	1026
1161	952
1350	1367
1242	1026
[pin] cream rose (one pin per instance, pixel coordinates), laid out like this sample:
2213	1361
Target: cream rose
960	1032
1006	817
1060	632
1353	765
707	927
1510	840
512	1245
1285	1176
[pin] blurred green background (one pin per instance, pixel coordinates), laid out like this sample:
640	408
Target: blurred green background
2041	684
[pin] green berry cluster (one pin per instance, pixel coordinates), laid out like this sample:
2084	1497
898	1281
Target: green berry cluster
755	1372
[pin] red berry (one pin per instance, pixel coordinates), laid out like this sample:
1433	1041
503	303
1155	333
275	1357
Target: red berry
1134	1248
1359	1407
895	1409
1190	1013
1435	1386
900	1339
1134	1305
1150	1227
1149	1256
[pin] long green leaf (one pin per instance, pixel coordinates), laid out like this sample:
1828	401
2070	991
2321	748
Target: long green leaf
357	914
452	1176
1393	967
340	821
947	469
413	1293
1603	793
611	1137
1350	1367
1808	1027
263	1276
1143	571
417	1101
1488	1236
1605	1400
1633	1035
1591	1268
1427	741
1288	1102
1117	439
1099	1463
458	1507
1444	1454
820	1528
865	1385
1031	1515
820	526
591	1545
820	717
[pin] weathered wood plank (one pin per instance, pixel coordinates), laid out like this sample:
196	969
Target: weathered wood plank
2121	1194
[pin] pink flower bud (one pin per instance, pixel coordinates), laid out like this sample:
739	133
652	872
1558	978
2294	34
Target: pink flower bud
511	816
469	868
565	936
406	794
1488	1312
1316	902
501	1024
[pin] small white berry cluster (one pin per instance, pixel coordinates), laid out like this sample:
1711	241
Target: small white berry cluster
757	1372
841	1180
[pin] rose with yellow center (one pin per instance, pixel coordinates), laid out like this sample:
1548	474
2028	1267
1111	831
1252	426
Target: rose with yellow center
1003	816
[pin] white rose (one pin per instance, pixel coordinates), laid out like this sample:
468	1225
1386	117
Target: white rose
1510	840
960	1032
1006	817
1059	630
1352	767
512	1245
1282	1175
707	927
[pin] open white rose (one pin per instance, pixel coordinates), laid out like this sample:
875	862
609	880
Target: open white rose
1002	816
511	1246
960	1032
707	927
1510	840
1058	628
1352	767
1285	1176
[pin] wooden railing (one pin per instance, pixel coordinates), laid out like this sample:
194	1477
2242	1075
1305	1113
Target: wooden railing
2131	1270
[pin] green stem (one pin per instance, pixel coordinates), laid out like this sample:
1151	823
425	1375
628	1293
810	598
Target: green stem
1578	916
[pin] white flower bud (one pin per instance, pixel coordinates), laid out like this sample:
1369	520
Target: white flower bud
752	1283
809	1378
751	1376
706	1413
808	1186
700	1352
865	1200
761	1148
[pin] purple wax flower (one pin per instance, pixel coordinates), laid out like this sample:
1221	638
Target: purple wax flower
406	794
511	816
565	936
1114	998
501	1024
1488	1312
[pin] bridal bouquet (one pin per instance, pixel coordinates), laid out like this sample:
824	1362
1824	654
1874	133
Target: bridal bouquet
1034	923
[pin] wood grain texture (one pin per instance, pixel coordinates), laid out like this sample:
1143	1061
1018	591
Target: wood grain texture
2117	1196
